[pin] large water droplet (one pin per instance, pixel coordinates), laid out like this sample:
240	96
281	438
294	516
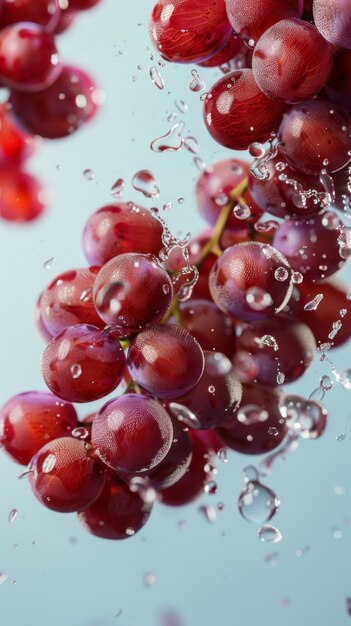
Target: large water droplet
258	504
144	182
196	83
270	534
156	77
117	188
314	304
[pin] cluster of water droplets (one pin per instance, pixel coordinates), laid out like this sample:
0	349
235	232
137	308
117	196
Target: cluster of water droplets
258	504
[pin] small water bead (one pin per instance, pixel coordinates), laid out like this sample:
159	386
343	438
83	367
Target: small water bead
257	150
221	199
144	181
341	437
49	263
270	534
211	488
76	371
337	533
272	558
149	579
196	83
184	415
273	431
80	432
296	278
326	383
265	227
269	341
280	166
280	378
258	299
330	220
250	414
171	141
191	144
181	200
89	174
12	515
110	297
156	77
222	455
117	189
250	474
281	274
336	326
166	288
257	504
314	304
306	418
181	106
242	211
218	364
208	513
317	394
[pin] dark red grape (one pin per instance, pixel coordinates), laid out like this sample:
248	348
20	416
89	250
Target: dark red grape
258	426
165	360
22	197
58	110
233	47
32	419
15	145
132	433
292	61
204	321
176	461
338	87
315	135
118	228
214	398
189	31
213	191
243	281
28	57
251	19
311	246
273	351
68	300
333	20
83	363
66	477
117	513
43	12
132	291
191	485
237	112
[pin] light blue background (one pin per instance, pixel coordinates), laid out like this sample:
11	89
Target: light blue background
208	573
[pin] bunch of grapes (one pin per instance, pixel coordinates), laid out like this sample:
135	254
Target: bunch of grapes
45	97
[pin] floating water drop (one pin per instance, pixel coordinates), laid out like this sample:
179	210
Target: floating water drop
117	188
317	394
257	150
250	414
250	474
242	212
209	513
218	364
181	106
281	274
222	455
156	77
149	579
273	431
12	515
184	415
191	144
144	182
270	534
280	378
142	487
200	164
272	558
171	141
89	174
306	418
196	83
257	504
314	304
296	278
49	263
211	488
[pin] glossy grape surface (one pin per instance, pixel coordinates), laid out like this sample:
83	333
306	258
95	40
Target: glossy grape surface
43	12
251	19
333	20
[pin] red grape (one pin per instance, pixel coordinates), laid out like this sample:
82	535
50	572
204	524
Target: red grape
243	282
189	31
15	145
237	112
132	433
66	477
333	20
83	363
43	12
165	360
315	135
176	462
338	87
32	419
213	191
251	19
132	291
258	426
274	348
68	300
292	61
233	47
214	398
310	246
118	228
58	110
28	57
117	513
21	197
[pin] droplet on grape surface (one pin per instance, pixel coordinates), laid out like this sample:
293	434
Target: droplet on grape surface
171	141
144	182
270	534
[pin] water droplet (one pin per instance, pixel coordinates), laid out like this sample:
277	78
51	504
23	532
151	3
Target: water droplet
149	579
314	304
280	378
80	432
270	534
326	383
184	415
317	394
257	504
211	488
281	274
12	515
156	77
180	200
302	551
167	206
76	370
341	437
166	288
296	278
212	389
222	455
265	227
273	431
250	414
269	341
181	106
337	533
49	464
221	199
109	298
171	141
88	174
144	182
208	513
196	83
200	164
117	188
258	299
272	558
257	150
49	263
242	212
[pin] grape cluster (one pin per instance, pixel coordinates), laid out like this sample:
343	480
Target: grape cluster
45	97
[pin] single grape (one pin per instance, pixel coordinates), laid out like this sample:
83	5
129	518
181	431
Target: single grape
333	20
22	197
214	398
83	363
243	284
68	300
310	246
237	113
189	31
118	228
251	19
43	12
258	426
214	188
315	135
132	291
117	513
28	57
31	419
60	109
165	360
15	145
271	348
338	87
132	433
292	61
65	476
